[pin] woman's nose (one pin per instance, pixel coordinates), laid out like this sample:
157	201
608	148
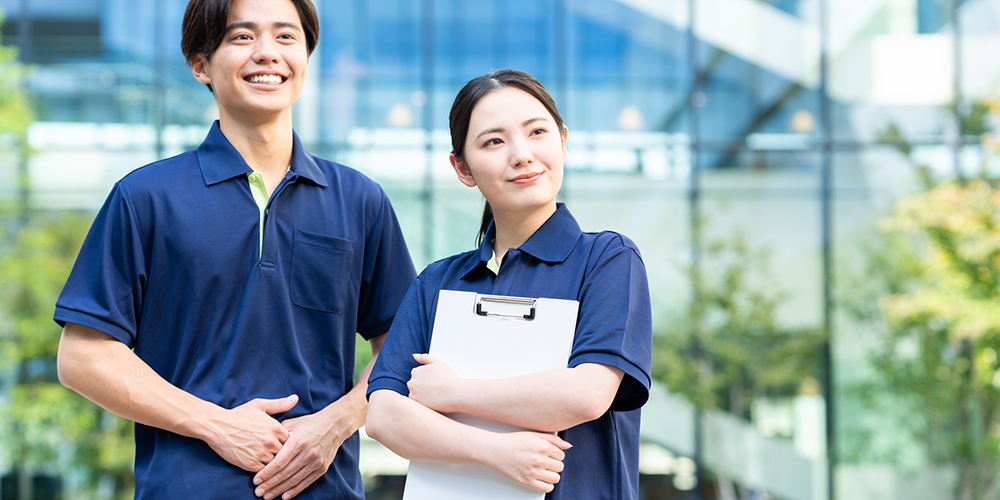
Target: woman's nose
520	153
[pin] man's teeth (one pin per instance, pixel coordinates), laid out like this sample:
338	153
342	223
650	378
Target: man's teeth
267	79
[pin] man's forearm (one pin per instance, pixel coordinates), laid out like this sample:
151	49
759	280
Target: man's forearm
108	373
351	409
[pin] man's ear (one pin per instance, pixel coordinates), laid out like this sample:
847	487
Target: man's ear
464	174
199	69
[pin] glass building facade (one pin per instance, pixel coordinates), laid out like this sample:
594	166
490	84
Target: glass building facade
690	121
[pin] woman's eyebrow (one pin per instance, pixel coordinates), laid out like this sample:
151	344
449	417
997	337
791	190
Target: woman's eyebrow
490	131
525	123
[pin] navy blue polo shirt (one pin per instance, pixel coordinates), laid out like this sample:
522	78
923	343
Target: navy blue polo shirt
172	267
605	273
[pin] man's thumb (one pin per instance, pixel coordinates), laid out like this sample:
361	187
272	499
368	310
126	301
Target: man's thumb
272	406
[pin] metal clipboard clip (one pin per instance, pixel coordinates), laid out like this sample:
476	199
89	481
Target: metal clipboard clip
502	307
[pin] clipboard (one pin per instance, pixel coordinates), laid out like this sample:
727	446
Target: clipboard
491	336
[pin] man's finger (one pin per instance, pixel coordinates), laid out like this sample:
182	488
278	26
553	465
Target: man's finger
302	485
277	464
272	406
290	482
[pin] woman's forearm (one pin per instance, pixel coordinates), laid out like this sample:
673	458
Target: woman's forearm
415	432
548	401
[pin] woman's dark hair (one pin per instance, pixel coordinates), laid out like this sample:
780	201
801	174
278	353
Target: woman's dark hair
471	93
204	26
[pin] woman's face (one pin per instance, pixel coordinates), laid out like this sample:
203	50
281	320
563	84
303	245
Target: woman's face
514	152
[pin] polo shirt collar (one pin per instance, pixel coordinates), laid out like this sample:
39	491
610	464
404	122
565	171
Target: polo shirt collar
220	161
552	243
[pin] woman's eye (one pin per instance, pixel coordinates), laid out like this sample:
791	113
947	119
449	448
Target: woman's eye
493	142
538	131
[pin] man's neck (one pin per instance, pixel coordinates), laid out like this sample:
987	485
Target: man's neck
265	146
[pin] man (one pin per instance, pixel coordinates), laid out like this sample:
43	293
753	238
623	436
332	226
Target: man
216	298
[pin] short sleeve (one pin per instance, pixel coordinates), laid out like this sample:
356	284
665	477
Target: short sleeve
615	320
105	289
387	273
409	335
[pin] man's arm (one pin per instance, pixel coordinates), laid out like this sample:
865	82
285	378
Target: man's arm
108	373
548	401
313	440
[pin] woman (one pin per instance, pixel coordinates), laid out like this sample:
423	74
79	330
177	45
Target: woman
509	141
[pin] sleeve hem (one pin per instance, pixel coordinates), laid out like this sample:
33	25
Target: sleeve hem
387	383
634	389
370	332
63	316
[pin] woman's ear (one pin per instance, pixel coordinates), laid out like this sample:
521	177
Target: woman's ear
565	136
464	174
199	69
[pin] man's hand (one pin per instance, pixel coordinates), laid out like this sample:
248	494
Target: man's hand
312	444
531	459
433	384
247	436
313	440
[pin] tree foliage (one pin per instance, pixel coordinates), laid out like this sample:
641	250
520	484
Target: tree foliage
939	274
728	348
933	286
46	427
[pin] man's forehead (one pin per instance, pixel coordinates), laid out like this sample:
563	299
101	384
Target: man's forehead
254	15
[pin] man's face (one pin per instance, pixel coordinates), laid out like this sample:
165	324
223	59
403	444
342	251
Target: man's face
260	66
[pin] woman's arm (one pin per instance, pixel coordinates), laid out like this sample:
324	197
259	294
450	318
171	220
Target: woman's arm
414	432
548	401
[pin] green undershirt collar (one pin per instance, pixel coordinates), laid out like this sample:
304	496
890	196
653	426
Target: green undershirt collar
259	191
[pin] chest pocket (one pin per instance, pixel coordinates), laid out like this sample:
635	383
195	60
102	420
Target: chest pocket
322	273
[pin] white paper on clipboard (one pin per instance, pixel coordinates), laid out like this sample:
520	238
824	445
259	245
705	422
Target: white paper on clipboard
488	336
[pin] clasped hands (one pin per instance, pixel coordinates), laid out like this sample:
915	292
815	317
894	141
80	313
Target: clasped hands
531	459
286	456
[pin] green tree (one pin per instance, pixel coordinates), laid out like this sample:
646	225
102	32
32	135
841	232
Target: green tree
937	277
728	349
47	428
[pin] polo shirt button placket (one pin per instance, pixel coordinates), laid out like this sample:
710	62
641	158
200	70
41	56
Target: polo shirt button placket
503	283
270	240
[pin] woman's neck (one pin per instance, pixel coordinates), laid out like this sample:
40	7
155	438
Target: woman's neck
513	229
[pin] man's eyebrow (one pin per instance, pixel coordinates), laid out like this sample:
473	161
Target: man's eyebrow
250	25
285	24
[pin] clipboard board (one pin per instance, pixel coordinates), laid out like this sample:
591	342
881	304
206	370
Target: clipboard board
491	336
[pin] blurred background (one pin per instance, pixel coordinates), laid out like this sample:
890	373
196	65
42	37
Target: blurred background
812	184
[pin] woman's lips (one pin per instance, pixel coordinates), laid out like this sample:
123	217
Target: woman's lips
526	178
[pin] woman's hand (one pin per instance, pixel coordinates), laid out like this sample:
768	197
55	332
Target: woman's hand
531	459
434	384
